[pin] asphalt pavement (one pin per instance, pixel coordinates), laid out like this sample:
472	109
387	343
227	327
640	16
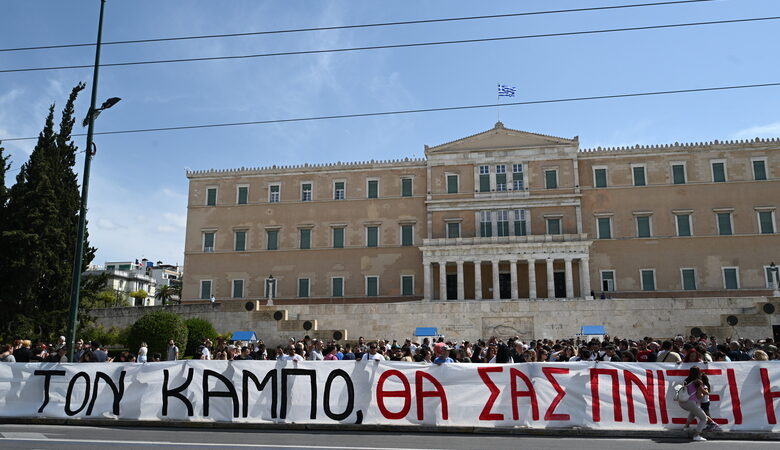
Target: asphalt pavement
17	436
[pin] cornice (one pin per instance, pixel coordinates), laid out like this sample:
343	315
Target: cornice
678	147
322	167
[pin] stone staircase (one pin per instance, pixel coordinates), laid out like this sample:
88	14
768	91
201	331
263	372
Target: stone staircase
297	327
759	316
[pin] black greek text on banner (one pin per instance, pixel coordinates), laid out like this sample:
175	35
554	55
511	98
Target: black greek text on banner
745	395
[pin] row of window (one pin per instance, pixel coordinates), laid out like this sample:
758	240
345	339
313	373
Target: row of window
643	221
339	189
240	238
688	279
336	288
678	172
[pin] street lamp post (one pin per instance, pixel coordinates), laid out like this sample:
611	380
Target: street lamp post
775	274
79	250
271	287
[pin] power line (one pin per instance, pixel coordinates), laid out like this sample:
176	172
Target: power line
425	110
346	27
379	47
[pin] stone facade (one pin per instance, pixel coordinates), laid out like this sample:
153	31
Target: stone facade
502	214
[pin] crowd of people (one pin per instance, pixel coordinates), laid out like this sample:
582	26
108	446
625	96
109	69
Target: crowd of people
427	350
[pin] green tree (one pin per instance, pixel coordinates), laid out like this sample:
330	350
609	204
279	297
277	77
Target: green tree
164	294
37	237
156	329
139	296
197	329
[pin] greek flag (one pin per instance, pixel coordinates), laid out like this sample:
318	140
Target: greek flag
506	91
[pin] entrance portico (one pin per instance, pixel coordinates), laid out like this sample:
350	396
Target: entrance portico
484	268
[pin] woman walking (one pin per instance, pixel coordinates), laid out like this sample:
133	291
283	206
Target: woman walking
690	398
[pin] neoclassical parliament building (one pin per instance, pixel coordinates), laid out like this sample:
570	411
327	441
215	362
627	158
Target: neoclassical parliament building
502	214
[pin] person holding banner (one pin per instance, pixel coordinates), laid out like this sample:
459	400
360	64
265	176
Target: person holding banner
693	391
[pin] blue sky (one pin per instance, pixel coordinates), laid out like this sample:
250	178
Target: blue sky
137	203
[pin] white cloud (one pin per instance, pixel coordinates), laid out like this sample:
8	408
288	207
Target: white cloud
107	224
178	221
769	130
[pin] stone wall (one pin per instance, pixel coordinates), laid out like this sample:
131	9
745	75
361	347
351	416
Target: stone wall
634	318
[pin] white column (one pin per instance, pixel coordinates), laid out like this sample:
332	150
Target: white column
513	275
428	291
496	287
569	278
550	279
531	278
442	280
478	280
461	290
585	276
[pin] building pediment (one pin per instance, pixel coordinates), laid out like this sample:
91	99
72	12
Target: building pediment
501	138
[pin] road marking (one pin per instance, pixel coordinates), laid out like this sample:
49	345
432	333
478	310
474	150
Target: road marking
22	435
41	437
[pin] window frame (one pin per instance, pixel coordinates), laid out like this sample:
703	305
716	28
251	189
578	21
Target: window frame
447	229
695	279
216	195
235	239
771	212
520	216
278	192
501	187
447	176
521	180
549	220
763	160
366	278
684	165
333	286
767	279
401	232
275	288
402	285
343	236
598	227
594	170
301	231
483	173
485	225
502	223
642	166
411	185
213	241
233	288
308	287
642	280
736	275
304	191
614	279
730	213
211	289
688	214
238	194
343	190
368	227
268	233
649	225
712	170
546	180
369	180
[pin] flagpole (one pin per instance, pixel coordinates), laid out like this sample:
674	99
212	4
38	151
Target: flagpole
498	104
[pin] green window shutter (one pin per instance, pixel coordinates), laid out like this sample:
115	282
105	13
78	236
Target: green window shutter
407	285
766	222
718	172
453	230
643	227
520	229
730	278
601	178
243	195
305	238
211	196
678	174
338	238
639	176
724	224
689	279
208	242
550	179
273	236
303	287
205	290
240	241
452	184
503	228
484	182
337	287
759	170
500	181
683	225
604	228
238	288
648	280
373	188
553	226
485	229
407	235
406	187
372	236
372	286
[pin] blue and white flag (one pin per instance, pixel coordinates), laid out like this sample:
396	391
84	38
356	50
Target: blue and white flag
506	91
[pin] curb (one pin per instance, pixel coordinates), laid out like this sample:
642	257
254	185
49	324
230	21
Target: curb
569	432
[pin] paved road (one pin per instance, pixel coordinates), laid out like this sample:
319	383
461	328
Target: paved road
85	438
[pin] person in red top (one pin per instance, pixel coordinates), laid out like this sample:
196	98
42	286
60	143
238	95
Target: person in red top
438	346
647	352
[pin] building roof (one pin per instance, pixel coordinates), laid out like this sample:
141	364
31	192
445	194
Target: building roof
500	137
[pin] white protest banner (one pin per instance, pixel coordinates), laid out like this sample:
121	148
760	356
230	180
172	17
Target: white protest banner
745	395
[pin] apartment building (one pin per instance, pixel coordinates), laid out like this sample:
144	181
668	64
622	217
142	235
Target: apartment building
502	214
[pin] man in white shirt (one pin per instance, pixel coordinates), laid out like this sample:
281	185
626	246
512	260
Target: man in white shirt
372	354
290	355
316	351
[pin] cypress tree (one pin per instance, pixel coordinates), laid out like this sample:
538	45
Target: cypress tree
38	239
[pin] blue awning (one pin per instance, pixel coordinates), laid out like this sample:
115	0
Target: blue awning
425	331
244	336
592	329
